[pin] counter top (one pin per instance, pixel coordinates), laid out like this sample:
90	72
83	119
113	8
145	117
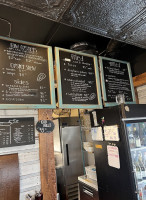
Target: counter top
88	181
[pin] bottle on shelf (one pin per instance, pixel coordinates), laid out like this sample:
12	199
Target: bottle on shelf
136	135
145	159
137	168
140	194
141	164
131	136
144	191
134	167
143	133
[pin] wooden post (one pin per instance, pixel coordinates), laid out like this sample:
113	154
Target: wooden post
47	161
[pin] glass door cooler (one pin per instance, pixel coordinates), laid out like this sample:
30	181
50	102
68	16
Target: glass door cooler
120	151
136	131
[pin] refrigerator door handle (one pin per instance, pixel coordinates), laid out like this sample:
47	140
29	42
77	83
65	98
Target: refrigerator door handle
67	154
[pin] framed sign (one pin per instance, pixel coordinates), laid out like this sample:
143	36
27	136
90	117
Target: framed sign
78	79
16	132
116	78
27	78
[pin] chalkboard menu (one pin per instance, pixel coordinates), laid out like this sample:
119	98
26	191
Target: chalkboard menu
78	79
116	78
16	131
45	126
26	72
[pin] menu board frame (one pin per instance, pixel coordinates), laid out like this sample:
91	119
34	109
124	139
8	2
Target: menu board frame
98	90
51	79
104	93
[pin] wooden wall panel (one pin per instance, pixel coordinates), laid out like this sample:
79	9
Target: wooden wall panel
47	161
139	80
9	177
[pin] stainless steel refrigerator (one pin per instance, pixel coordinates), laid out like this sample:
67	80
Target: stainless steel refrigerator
71	159
120	152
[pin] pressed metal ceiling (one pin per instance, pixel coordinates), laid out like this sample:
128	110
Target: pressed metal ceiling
123	20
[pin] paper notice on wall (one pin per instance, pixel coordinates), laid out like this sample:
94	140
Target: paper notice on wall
94	118
97	134
111	133
113	156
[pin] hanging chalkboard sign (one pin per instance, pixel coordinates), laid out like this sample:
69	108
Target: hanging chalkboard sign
26	75
78	79
116	78
16	131
45	126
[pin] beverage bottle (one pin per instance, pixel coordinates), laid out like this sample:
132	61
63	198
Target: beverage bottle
136	135
138	172
140	195
137	168
142	167
144	192
145	159
132	141
137	142
143	133
131	136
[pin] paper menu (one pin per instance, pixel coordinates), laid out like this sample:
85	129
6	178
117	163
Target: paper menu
113	156
111	133
94	118
97	134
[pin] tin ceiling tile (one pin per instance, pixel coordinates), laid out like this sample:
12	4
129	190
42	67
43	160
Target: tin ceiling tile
110	18
51	9
138	36
105	17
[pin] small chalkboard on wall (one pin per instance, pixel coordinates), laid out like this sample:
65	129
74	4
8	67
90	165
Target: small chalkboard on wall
26	71
116	80
16	132
78	79
45	126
